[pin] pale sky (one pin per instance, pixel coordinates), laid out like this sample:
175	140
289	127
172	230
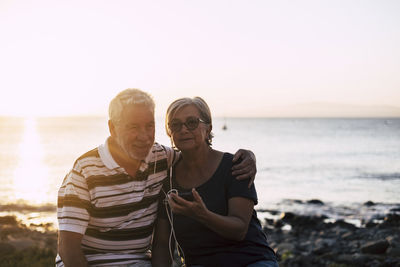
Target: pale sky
245	58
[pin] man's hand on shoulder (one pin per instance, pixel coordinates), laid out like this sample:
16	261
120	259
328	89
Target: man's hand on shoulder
244	165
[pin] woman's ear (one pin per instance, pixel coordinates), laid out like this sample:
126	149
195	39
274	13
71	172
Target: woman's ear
209	129
208	138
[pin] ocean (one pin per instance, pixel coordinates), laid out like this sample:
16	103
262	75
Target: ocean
342	162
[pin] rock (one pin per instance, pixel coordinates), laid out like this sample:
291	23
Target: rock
11	220
315	202
395	209
269	221
298	261
355	259
301	221
374	262
345	225
345	258
359	259
347	235
393	252
369	204
285	248
390	263
327	242
320	250
370	224
375	247
354	245
287	216
312	242
22	243
6	248
393	240
392	220
279	224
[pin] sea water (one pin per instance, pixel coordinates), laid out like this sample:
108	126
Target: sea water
342	162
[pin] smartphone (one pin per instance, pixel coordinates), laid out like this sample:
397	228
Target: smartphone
186	195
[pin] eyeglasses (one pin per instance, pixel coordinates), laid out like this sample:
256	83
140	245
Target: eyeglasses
191	123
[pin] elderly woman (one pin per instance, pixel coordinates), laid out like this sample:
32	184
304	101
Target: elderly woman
213	217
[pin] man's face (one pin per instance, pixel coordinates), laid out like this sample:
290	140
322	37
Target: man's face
135	132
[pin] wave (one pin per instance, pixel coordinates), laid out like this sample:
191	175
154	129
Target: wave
381	176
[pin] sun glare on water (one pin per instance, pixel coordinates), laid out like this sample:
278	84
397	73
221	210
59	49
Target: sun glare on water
31	175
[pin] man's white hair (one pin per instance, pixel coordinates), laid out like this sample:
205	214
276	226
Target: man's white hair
125	98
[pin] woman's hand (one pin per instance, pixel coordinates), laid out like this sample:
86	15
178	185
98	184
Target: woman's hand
244	166
195	209
233	226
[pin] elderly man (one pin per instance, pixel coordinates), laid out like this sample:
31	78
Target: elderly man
107	204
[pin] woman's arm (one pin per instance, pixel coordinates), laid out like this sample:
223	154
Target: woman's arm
160	248
234	226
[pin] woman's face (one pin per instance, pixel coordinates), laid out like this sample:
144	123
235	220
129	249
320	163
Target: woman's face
184	138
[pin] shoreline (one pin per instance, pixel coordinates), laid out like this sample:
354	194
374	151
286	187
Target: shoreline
355	213
305	238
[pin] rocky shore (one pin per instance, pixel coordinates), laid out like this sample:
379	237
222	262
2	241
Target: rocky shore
302	240
24	245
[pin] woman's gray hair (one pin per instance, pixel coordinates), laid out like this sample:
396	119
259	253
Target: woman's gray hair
199	103
125	98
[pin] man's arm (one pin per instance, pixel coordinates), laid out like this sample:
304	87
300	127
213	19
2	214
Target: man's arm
69	249
244	166
172	155
160	249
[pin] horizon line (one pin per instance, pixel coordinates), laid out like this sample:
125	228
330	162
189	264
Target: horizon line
217	117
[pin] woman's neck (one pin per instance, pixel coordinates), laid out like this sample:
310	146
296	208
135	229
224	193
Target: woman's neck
196	167
196	158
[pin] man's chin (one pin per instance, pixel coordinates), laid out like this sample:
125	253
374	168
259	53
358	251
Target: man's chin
139	156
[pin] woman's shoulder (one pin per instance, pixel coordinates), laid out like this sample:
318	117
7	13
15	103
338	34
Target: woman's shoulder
226	156
223	157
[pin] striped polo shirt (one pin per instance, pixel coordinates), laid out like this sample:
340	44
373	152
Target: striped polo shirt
114	211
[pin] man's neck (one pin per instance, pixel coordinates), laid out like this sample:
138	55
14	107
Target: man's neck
122	159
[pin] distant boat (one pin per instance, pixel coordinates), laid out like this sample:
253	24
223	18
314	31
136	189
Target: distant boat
224	127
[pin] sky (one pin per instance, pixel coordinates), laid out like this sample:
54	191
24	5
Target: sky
245	58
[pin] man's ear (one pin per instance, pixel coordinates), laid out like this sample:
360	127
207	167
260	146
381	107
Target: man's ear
111	128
